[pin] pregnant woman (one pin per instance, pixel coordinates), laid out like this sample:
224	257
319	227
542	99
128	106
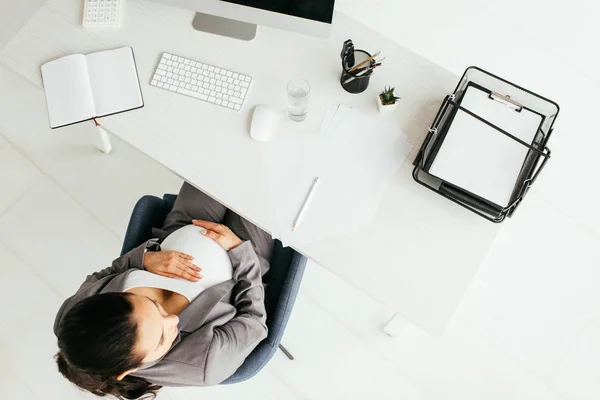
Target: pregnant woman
184	309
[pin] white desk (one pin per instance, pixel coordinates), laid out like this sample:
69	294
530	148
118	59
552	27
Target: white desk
421	251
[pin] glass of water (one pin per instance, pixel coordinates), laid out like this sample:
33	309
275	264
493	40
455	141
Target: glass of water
298	91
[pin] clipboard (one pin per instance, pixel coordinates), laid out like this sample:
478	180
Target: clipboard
473	156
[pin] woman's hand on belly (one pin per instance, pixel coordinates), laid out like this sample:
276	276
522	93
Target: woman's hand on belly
219	233
172	264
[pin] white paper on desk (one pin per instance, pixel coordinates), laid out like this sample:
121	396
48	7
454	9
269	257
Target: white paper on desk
355	158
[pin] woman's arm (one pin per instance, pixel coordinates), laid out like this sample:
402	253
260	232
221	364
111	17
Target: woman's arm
132	259
233	341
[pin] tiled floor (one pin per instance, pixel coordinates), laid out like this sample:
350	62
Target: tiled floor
528	327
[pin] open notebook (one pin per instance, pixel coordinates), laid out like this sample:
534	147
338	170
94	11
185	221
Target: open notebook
81	87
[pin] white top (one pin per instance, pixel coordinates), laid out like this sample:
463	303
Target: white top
208	255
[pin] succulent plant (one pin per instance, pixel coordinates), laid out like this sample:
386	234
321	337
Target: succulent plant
387	96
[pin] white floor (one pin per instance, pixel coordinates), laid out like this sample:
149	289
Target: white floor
528	327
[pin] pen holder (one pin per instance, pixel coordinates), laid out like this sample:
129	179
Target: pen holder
356	81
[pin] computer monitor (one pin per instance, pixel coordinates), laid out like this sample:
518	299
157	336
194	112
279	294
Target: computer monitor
238	18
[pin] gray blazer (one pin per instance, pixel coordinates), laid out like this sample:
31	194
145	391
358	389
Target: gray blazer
218	329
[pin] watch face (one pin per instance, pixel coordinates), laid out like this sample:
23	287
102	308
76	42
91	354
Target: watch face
316	10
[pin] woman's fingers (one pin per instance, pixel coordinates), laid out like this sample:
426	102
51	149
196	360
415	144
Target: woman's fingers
212	234
184	256
210	225
168	275
186	272
190	264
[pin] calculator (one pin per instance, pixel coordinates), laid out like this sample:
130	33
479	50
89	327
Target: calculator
97	13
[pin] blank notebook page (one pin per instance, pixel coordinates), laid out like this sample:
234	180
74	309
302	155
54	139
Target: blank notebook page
480	159
67	88
114	81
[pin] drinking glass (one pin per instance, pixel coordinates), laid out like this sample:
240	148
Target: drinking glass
298	91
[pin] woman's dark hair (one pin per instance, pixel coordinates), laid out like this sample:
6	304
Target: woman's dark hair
96	340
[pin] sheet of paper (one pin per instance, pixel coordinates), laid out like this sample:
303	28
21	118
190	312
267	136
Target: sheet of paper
355	159
114	81
68	91
478	158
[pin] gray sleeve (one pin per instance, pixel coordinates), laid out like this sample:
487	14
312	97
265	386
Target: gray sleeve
234	341
131	259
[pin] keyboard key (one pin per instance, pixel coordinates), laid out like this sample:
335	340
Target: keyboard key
244	84
247	79
211	68
154	83
160	84
211	99
167	55
229	73
237	107
235	100
161	72
235	75
192	94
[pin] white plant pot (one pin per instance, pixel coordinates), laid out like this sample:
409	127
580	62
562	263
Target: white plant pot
387	108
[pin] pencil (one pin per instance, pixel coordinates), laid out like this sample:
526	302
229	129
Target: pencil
307	200
364	62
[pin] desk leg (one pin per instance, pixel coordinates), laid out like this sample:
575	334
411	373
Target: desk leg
287	353
395	325
103	140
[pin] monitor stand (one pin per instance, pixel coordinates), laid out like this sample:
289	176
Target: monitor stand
224	26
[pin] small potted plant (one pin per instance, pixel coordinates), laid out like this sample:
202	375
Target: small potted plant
386	101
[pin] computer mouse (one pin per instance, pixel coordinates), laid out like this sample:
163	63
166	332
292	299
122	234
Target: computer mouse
264	120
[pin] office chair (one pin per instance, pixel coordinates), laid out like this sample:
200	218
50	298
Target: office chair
281	282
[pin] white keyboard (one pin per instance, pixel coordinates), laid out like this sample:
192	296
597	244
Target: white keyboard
102	13
201	81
